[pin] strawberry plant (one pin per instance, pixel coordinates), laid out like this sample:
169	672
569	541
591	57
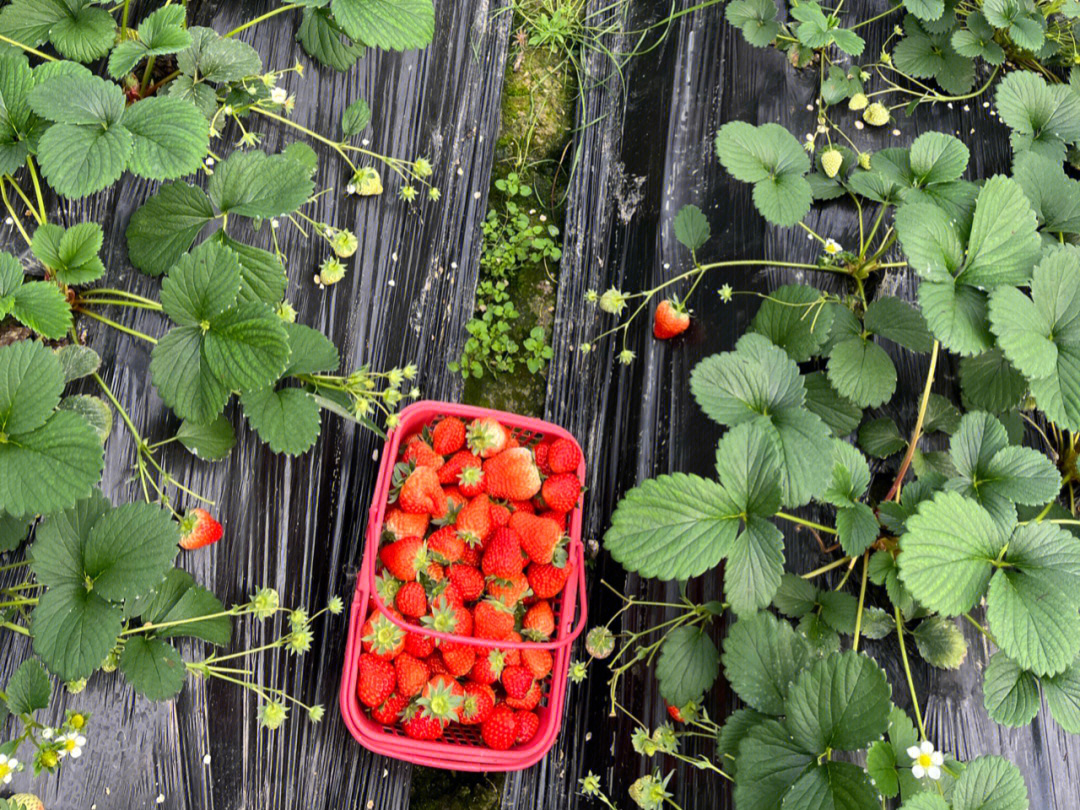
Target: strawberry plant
90	96
968	512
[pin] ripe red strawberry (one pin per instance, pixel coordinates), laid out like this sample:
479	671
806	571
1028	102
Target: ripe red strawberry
456	464
512	475
561	492
672	319
448	436
198	529
479	701
564	456
486	437
499	731
419	645
492	619
434	571
421	726
436	665
445	545
442	699
404	557
530	701
446	617
500	515
422	494
390	711
503	557
402	524
473	523
509	591
488	667
542	453
516	680
471	556
471	481
538	662
558	517
412	675
469	581
528	725
539	622
376	680
451	591
420	453
540	537
523	506
455	500
459	658
382	637
675	712
411	600
548	581
512	657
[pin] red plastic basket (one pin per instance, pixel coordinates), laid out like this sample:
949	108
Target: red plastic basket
461	748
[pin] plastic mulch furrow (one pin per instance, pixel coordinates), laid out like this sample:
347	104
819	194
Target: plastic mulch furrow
293	524
638	421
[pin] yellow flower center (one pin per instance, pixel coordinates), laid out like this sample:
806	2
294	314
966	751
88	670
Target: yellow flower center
925	761
5	769
69	745
77	721
49	760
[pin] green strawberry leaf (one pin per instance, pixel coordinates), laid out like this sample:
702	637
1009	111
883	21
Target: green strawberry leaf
881	767
153	667
691	227
832	786
311	352
178	599
796	596
953	543
880	438
161	32
900	322
762	656
862	371
941	416
324	40
28	689
1004	244
73	630
989	382
166	226
94	410
183	378
397	25
262	275
129	550
770	763
355	118
1043	118
1054	196
72	253
215	59
255	184
1010	694
841	703
796	319
1032	602
756	19
688	665
940	642
42	307
209	442
956	314
930	241
169	137
202	285
20	128
976	40
79	160
13	531
774	161
990	783
841	415
1062	692
287	419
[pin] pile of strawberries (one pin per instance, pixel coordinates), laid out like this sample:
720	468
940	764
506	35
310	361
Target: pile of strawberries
474	544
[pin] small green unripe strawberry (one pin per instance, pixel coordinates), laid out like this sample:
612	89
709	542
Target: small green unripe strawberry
831	161
858	102
864	160
876	115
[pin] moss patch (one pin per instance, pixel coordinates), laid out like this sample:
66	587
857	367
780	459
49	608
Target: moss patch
449	790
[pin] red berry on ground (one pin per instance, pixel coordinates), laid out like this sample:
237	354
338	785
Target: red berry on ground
198	528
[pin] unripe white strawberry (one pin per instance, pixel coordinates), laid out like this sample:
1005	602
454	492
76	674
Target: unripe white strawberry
876	115
858	102
831	161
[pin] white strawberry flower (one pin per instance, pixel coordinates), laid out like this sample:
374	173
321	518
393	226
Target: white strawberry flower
7	768
832	247
71	744
279	95
927	762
